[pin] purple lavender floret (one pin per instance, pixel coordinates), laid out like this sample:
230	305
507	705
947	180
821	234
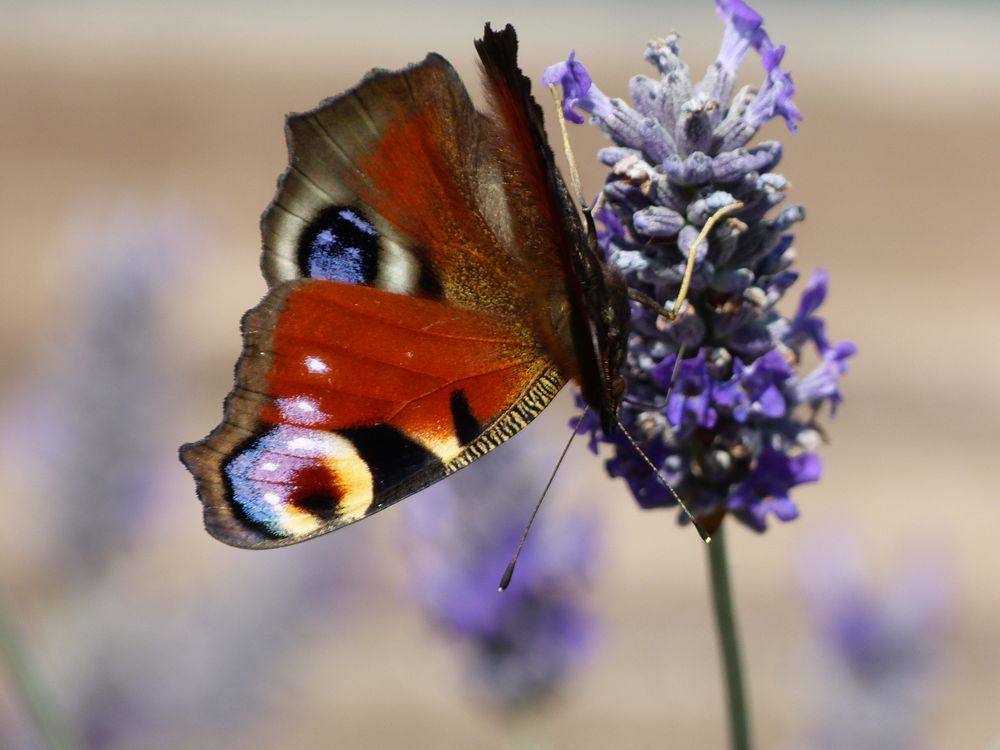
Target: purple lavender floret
739	428
578	89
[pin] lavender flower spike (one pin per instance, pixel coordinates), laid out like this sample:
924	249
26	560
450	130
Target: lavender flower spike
739	431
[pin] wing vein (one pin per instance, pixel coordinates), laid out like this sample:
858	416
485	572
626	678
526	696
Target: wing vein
290	212
311	182
366	115
341	152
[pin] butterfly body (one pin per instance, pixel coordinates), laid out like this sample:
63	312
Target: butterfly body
431	288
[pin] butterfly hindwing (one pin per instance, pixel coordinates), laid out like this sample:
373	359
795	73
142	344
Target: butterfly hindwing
350	398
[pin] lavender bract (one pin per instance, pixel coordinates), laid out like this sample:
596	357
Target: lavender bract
738	430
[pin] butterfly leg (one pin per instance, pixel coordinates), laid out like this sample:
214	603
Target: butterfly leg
646	301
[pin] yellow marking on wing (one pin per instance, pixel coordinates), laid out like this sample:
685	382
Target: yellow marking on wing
354	479
297	522
445	447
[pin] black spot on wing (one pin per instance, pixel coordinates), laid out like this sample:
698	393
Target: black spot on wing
392	457
340	244
429	285
316	493
467	427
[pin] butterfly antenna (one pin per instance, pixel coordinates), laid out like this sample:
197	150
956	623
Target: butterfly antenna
648	302
574	174
702	531
509	573
598	203
673	375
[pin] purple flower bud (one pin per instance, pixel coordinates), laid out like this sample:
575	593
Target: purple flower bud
730	166
649	97
612	155
657	221
611	225
666	56
666	192
626	126
702	209
734	280
694	127
696	169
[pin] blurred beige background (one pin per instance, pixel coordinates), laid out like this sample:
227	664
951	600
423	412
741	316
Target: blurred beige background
174	115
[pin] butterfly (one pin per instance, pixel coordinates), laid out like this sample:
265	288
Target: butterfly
431	287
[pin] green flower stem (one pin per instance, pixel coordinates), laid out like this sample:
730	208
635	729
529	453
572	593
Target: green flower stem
729	644
53	732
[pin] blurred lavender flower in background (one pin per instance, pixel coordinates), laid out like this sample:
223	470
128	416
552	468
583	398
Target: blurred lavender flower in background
88	431
207	663
739	429
521	645
159	638
878	649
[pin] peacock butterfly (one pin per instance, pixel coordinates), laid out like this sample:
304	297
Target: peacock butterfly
431	288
